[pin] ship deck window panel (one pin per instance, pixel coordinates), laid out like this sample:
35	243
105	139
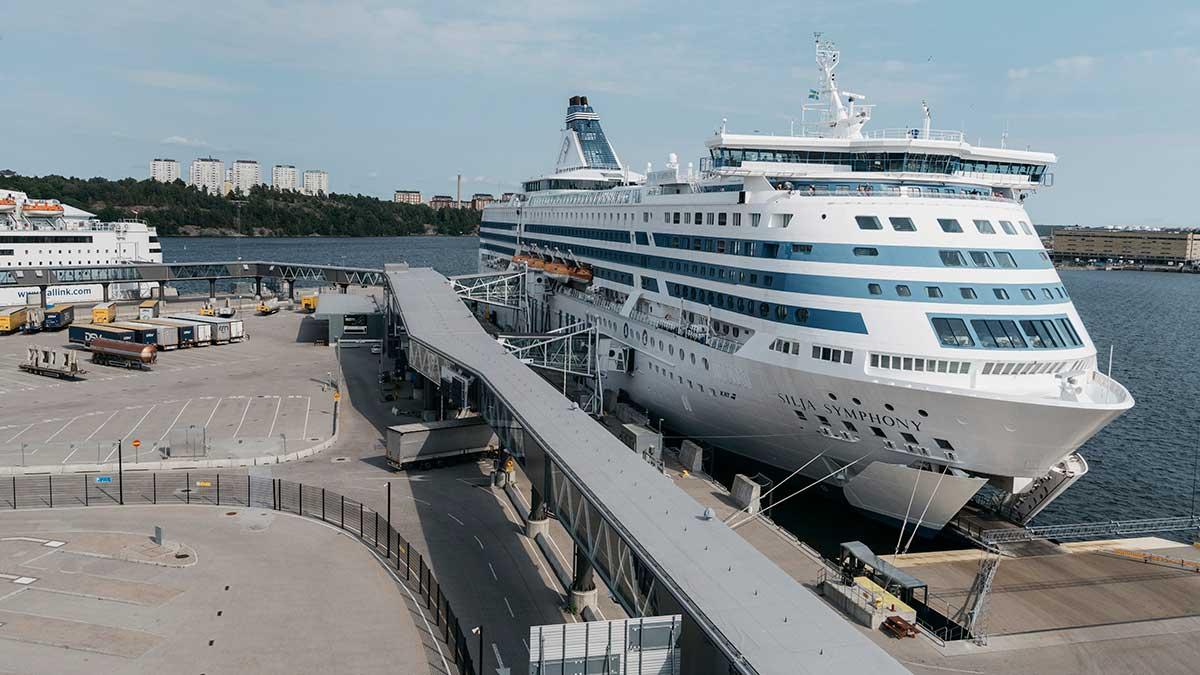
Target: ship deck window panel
868	251
901	224
949	225
868	223
1007	227
909	438
982	259
952	258
985	227
874	289
967	293
903	291
1005	259
722	219
933	291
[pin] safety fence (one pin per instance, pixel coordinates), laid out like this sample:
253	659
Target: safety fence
216	489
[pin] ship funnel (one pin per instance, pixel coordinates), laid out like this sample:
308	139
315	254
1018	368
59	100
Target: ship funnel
583	100
574	100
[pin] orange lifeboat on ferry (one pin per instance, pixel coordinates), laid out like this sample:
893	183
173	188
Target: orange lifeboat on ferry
34	209
531	261
8	205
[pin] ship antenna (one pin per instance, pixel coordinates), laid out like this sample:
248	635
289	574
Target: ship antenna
926	119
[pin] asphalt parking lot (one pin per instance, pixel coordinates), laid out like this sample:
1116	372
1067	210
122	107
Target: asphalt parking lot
262	396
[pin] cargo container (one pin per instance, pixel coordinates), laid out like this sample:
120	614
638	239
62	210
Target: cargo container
124	354
148	309
83	333
187	330
146	335
165	337
220	327
59	317
13	319
35	317
233	329
105	312
433	442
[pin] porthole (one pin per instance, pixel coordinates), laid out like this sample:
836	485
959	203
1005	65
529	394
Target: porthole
693	358
801	315
705	360
856	401
889	407
672	348
822	216
832	396
922	413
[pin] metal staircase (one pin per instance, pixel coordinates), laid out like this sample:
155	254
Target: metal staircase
1021	507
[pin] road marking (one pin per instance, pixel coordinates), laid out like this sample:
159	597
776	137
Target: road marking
278	404
19	433
243	420
306	408
499	661
174	421
73	451
456	520
478	542
493	569
101	426
510	612
213	413
139	422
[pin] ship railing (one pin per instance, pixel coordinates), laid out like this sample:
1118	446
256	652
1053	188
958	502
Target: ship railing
591	299
915	134
1104	389
695	332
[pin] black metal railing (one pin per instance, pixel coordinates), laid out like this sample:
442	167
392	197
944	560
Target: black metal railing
216	489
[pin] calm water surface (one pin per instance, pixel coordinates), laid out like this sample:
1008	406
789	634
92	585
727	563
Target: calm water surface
1141	465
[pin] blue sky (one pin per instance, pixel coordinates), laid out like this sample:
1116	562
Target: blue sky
386	95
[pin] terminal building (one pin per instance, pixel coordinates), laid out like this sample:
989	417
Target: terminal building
1144	246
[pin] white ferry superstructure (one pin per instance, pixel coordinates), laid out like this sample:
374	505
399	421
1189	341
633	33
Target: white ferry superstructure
45	233
872	310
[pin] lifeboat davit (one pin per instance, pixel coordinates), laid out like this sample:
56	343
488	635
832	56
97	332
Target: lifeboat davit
8	205
532	261
42	209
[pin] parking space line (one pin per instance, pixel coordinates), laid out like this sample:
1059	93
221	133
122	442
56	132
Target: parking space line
243	420
139	422
73	451
307	406
101	426
278	405
62	428
174	421
213	413
19	433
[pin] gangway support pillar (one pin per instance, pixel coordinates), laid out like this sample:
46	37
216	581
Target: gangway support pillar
583	583
212	288
258	288
538	523
104	289
42	294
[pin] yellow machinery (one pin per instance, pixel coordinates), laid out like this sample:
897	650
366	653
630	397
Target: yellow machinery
13	319
267	307
308	303
208	310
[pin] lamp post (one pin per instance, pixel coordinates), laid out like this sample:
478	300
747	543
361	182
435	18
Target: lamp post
120	472
478	630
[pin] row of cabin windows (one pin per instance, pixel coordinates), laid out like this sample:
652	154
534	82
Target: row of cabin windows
621	236
1004	333
1027	367
613	275
764	310
818	352
720	219
919	364
909	439
947	225
968	293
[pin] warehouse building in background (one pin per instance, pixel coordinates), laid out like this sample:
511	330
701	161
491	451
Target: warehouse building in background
1130	245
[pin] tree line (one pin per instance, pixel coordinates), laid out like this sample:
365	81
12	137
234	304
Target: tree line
173	207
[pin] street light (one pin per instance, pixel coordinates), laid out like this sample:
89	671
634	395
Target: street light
478	630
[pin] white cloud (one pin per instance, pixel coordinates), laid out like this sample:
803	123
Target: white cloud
1069	66
170	79
185	142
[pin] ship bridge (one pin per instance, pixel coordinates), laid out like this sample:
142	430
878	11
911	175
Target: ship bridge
645	537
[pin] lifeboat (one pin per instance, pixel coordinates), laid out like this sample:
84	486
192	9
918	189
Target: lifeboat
8	205
33	209
532	261
560	272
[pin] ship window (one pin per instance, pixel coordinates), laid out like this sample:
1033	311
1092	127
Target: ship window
801	315
933	291
985	227
1025	227
952	258
878	432
645	216
1028	293
866	251
737	220
949	225
1007	227
802	248
824	419
953	332
849	426
708	218
687	217
755	219
903	291
982	259
721	219
1000	293
908	438
902	224
874	289
943	444
800	415
666	217
868	223
1005	259
967	293
675	218
699	217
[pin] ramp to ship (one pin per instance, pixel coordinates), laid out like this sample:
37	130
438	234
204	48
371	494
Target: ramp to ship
646	537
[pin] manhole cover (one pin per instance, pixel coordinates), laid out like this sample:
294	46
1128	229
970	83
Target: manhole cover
341	459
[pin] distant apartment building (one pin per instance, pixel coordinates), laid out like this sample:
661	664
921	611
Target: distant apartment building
246	174
283	177
207	174
316	182
442	202
1137	245
506	196
407	196
480	200
164	170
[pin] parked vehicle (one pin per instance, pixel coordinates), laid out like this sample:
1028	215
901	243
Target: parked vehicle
12	319
165	337
35	317
104	312
426	443
308	303
124	354
187	330
62	363
149	309
59	317
83	334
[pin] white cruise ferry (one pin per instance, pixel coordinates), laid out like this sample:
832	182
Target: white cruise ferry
45	233
870	309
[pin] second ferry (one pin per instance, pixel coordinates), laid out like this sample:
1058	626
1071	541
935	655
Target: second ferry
871	309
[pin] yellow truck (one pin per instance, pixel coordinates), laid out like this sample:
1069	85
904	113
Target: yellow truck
268	306
308	303
12	319
105	312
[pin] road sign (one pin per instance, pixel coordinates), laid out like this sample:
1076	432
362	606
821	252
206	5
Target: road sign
337	395
103	479
136	443
203	483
